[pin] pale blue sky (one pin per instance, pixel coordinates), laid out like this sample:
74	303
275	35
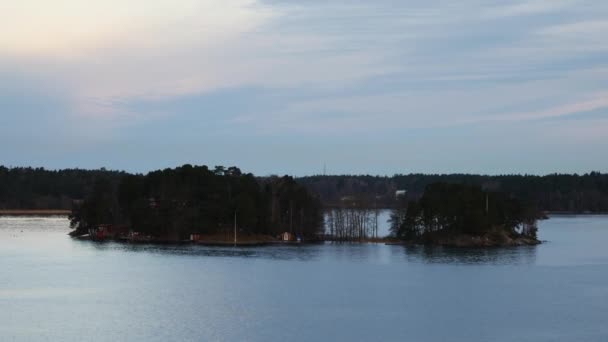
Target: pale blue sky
287	86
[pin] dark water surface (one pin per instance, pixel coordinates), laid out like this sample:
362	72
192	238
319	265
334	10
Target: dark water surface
53	288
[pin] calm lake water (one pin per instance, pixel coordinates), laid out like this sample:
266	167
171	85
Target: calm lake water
53	288
384	225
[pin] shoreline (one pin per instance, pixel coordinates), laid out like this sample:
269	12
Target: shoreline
244	241
34	212
575	213
211	243
472	241
65	212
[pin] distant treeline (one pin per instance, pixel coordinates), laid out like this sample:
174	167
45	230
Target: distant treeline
174	203
555	192
37	188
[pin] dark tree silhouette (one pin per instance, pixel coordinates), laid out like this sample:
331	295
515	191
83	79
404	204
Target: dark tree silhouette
454	210
174	203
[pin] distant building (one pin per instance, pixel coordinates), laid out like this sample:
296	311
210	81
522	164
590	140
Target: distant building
139	237
108	231
287	236
400	193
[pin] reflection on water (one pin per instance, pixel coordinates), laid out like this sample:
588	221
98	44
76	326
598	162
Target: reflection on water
276	252
338	252
524	255
339	292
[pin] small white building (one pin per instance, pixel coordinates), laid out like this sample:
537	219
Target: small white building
287	236
400	193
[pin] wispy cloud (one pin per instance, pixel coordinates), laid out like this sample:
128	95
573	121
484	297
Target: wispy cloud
199	72
593	27
591	103
71	28
529	7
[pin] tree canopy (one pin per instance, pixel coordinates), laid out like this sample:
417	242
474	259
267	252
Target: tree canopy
457	209
174	203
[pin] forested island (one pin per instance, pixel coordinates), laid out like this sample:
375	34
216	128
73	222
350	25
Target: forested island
466	216
176	204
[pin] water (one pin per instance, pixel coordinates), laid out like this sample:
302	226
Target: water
53	288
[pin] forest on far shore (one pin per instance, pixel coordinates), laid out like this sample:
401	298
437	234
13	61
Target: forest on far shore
572	193
38	188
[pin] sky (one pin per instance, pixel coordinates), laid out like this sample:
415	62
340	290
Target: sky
291	87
